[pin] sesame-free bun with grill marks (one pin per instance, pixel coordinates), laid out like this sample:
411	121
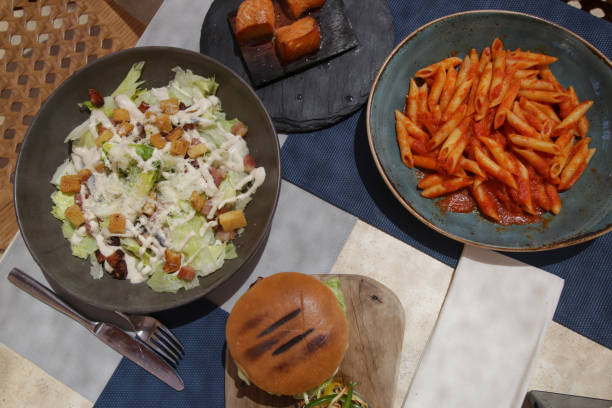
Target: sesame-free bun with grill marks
287	333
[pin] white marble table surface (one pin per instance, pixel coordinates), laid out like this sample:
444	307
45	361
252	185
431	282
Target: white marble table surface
46	354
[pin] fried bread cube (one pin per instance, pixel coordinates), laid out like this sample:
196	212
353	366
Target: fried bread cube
197	150
117	224
163	123
174	135
179	147
158	141
232	220
75	215
169	106
121	115
70	183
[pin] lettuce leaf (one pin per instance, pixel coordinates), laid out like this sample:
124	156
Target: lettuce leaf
61	201
77	132
129	85
67	167
163	282
334	285
96	271
189	87
85	247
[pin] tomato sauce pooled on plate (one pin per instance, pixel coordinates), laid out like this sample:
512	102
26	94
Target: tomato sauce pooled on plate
459	202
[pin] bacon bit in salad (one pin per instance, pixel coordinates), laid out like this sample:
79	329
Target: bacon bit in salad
239	129
224	236
217	174
249	163
143	107
186	273
95	98
194	163
208	205
182	106
117	224
141	130
189	126
99	257
78	200
173	261
113	240
114	258
120	272
197	202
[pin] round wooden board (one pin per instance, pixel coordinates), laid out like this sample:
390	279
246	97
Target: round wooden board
376	322
324	94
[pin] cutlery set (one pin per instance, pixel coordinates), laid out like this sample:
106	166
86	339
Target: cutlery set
149	344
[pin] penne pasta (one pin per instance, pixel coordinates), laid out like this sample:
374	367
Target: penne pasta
447	128
436	88
492	168
535	144
481	103
542	96
505	104
458	98
411	101
573	117
403	142
446	186
484	201
411	127
500	126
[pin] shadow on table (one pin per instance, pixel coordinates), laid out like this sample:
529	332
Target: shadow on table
400	222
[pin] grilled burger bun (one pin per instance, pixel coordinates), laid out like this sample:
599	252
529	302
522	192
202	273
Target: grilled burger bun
287	333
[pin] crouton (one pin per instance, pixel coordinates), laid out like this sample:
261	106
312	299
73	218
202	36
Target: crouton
197	150
117	224
232	220
179	147
163	123
70	183
239	129
173	261
125	129
158	141
197	202
174	135
103	137
169	106
121	115
75	215
84	174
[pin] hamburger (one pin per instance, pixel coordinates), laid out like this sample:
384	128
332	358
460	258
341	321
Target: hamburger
288	334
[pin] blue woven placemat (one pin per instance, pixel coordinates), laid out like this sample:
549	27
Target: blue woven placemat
202	371
336	165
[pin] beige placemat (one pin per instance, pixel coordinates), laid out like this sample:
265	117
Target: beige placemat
23	384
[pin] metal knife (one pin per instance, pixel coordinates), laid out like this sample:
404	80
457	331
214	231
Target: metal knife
111	335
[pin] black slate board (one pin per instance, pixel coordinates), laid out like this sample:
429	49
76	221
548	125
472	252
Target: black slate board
337	36
324	94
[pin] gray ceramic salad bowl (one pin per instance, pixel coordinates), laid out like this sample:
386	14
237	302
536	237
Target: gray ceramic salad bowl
43	150
587	207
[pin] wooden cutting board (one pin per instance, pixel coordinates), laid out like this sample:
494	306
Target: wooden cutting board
376	322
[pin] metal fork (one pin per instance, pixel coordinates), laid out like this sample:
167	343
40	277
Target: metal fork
154	334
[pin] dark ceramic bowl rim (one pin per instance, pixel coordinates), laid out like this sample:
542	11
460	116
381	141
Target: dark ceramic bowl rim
579	239
177	301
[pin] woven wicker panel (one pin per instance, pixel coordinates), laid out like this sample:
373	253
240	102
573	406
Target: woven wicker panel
41	43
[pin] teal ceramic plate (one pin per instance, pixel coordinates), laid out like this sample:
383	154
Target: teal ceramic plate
587	206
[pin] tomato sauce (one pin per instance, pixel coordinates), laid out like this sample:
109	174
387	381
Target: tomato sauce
459	202
509	211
